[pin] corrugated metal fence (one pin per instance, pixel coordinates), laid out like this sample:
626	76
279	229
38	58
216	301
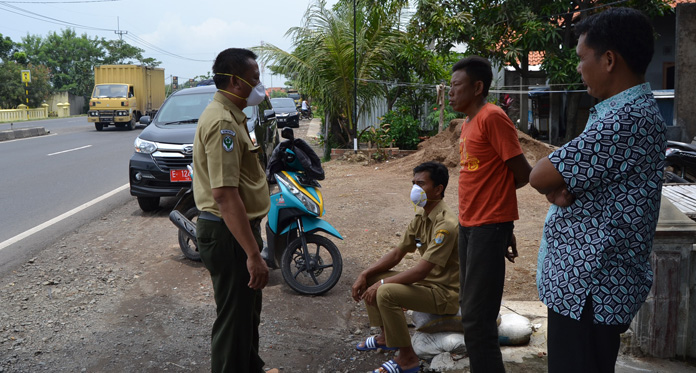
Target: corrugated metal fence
372	118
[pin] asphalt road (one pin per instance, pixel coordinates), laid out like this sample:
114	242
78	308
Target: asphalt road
54	183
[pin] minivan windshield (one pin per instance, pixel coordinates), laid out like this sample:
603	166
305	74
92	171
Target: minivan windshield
184	108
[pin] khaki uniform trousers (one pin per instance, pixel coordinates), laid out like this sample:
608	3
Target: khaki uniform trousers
393	298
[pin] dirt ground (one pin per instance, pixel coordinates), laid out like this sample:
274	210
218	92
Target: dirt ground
117	295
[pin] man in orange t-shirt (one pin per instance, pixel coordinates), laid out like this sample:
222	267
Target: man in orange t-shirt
492	168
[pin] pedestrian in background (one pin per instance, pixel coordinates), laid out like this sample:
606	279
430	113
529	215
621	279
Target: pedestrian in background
605	186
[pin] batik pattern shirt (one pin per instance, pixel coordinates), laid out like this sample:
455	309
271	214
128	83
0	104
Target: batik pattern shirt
600	245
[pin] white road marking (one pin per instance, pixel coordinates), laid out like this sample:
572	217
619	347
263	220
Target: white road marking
57	219
70	150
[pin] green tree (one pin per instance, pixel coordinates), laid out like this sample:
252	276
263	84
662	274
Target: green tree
12	90
506	31
322	64
7	48
119	52
70	58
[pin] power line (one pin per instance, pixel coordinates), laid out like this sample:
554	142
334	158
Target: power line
135	38
139	40
39	17
502	89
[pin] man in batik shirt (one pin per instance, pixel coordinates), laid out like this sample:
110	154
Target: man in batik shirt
605	185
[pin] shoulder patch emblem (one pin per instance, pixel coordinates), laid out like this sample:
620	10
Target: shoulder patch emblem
228	132
228	143
440	236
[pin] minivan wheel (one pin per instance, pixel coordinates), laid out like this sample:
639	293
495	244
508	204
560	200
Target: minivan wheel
148	204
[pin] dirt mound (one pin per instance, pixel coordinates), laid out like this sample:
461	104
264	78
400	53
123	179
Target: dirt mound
444	148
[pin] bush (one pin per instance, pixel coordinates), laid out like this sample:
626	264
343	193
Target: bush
448	115
403	129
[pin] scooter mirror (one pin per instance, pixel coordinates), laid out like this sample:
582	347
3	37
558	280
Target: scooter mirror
287	133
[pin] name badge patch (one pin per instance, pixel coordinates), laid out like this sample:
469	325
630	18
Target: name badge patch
228	132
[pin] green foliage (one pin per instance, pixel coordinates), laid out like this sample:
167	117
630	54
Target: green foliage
278	93
379	138
403	129
506	31
118	52
70	58
12	90
448	115
322	63
7	47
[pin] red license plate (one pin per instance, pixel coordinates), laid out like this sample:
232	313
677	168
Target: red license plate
179	175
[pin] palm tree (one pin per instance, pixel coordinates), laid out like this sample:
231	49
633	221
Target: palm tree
322	63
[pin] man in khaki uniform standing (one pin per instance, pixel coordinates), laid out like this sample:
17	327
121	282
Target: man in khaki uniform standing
431	286
230	190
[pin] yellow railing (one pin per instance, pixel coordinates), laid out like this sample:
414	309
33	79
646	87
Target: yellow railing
23	113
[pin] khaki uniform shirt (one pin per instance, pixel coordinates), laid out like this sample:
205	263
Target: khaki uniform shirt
224	156
438	233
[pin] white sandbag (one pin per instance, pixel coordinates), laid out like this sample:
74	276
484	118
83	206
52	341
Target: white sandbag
428	345
431	323
514	330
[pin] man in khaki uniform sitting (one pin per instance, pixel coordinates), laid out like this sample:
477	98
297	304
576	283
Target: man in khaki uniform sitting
431	286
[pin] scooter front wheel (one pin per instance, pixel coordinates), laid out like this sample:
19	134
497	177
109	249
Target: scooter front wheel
318	275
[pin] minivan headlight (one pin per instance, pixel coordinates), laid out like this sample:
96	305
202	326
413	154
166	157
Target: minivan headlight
144	146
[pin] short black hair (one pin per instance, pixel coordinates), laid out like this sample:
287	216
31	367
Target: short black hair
623	30
437	171
233	61
477	69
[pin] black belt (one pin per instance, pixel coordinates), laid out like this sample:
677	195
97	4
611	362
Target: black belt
255	223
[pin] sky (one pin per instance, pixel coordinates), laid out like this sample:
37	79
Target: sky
194	30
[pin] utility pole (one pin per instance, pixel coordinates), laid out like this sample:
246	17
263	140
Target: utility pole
118	30
355	77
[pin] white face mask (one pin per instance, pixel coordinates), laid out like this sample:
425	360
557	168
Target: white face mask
257	95
418	196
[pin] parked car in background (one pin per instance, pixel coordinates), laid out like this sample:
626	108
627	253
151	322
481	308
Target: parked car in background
157	168
286	112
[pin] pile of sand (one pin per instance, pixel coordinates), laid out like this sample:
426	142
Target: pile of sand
444	147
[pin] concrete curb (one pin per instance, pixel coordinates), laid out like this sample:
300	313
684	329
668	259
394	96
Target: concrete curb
22	133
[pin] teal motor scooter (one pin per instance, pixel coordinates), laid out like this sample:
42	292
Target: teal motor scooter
311	263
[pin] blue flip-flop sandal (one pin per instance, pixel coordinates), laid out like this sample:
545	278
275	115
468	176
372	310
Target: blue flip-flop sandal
392	367
371	345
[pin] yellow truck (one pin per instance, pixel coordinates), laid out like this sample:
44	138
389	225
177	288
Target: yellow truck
124	93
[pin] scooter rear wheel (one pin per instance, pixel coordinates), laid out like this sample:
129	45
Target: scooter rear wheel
318	276
187	245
